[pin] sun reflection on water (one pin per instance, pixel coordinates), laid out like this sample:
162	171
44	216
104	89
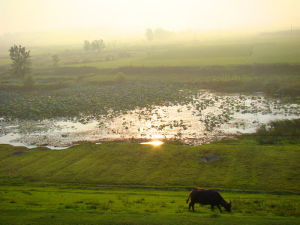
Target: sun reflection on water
154	143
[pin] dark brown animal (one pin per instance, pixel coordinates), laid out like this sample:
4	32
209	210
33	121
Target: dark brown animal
207	197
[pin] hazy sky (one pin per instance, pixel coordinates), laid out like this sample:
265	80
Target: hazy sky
136	15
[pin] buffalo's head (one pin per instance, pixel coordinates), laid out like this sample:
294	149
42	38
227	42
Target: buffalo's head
228	207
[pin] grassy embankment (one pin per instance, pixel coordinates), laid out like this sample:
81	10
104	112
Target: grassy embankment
243	165
93	184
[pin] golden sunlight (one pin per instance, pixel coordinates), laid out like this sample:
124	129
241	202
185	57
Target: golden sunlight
154	143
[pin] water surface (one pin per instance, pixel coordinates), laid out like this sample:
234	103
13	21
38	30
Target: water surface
207	117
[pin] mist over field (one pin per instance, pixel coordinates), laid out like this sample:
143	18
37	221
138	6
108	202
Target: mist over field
149	112
70	21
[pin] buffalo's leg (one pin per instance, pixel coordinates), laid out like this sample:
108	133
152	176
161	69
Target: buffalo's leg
212	207
191	205
219	208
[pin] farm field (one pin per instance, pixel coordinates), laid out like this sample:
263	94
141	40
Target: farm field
272	48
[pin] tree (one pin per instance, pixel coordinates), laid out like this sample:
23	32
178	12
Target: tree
101	45
86	45
55	60
149	34
98	45
158	34
20	61
95	45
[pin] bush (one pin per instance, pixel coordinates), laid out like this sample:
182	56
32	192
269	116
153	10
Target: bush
276	132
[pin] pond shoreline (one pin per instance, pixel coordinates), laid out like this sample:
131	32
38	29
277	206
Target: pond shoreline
207	117
188	141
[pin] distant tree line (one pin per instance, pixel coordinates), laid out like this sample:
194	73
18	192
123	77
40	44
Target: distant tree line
157	34
95	45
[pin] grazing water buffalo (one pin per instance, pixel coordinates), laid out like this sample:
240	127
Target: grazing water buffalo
207	197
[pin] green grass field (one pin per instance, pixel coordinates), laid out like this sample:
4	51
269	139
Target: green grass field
233	53
261	49
258	49
129	183
46	204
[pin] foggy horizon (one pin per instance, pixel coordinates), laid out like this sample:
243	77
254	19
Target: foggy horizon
123	18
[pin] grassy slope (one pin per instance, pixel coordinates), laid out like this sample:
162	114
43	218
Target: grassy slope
243	165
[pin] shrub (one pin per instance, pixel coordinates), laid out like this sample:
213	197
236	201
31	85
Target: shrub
284	131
